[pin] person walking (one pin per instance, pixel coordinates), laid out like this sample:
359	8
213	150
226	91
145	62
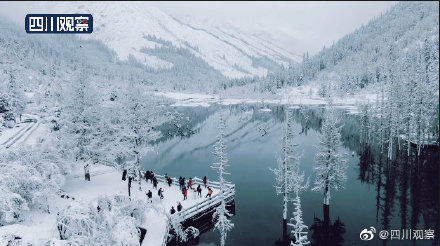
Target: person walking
152	176
147	175
199	190
180	183
160	193
124	175
179	207
205	181
209	192
185	193
154	182
190	183
149	194
169	181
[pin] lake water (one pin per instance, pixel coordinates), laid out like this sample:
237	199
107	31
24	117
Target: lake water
391	195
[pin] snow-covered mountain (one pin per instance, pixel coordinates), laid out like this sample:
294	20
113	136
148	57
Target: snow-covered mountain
130	27
405	35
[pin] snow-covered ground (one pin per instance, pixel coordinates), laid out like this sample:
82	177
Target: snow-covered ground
108	182
308	95
37	229
40	227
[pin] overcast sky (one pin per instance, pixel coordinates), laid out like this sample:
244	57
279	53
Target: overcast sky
309	24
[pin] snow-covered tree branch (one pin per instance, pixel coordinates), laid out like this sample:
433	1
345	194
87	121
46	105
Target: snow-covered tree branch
330	165
221	215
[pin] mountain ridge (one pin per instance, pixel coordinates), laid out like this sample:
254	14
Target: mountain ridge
122	26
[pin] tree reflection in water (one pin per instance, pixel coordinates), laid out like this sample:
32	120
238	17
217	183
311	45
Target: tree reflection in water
407	187
325	233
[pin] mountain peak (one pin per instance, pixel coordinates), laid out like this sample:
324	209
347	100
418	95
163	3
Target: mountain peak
124	27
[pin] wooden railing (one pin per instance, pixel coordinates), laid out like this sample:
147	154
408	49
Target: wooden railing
165	237
201	207
207	204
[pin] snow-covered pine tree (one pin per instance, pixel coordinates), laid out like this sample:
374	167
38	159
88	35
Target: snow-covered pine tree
408	84
142	113
14	96
287	163
431	58
365	125
381	122
81	119
221	214
299	229
330	165
423	96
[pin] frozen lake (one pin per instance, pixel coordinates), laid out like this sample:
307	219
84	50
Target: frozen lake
392	195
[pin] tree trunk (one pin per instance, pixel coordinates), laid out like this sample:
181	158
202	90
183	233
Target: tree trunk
129	185
326	210
326	196
390	147
124	175
285	234
285	206
408	137
140	178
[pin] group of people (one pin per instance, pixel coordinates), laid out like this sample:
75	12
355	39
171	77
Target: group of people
150	194
149	175
184	187
168	179
179	208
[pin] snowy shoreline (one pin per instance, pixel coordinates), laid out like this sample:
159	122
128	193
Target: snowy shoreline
291	96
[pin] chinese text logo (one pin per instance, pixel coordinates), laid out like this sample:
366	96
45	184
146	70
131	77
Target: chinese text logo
59	23
401	234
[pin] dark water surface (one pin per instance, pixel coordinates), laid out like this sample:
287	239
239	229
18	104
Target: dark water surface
392	195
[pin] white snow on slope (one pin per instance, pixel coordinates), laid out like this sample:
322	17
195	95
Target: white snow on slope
252	43
123	25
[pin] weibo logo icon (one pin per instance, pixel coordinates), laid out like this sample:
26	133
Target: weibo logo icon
367	234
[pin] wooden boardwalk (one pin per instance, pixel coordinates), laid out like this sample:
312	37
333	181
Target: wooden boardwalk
205	207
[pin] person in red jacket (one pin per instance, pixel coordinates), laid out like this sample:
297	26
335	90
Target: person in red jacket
209	192
185	193
205	181
190	183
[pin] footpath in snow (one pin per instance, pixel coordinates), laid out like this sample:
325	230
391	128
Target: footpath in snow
20	132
